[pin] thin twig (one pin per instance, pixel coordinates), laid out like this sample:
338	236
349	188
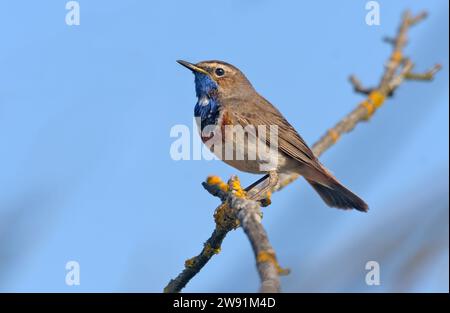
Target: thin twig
398	68
358	87
428	75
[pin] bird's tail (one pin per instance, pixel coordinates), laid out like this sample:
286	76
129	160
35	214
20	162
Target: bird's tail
336	195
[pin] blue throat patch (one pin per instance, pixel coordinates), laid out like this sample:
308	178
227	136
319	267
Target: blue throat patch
207	107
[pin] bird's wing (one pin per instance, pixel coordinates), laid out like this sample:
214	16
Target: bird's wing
262	112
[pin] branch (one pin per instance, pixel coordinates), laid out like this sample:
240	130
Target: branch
242	211
248	214
358	87
428	75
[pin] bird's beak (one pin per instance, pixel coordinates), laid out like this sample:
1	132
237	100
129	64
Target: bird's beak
192	67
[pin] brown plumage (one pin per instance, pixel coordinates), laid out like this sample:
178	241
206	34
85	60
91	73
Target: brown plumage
242	105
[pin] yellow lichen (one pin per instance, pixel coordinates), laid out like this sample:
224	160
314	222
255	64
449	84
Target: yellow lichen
377	98
208	250
334	135
223	219
215	180
369	107
374	100
267	200
235	186
189	262
223	187
219	214
397	56
268	256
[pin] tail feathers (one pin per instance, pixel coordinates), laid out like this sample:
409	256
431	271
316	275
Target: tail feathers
338	196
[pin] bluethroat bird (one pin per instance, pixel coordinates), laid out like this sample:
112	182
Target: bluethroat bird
227	98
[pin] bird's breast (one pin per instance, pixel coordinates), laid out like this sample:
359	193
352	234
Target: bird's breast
216	129
238	148
208	113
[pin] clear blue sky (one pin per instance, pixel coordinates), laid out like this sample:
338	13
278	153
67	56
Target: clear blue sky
86	175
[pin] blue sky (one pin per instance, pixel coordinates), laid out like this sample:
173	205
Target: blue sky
85	118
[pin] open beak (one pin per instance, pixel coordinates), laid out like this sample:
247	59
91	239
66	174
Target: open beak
192	67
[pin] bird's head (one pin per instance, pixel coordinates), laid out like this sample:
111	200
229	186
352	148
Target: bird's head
217	77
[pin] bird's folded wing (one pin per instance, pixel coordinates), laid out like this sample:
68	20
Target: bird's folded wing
289	141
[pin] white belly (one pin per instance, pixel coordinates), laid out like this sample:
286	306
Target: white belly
245	152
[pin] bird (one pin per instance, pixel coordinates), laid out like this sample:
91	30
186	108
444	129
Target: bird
226	98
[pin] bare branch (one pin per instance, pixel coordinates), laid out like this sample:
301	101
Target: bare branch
389	40
249	214
428	75
418	18
358	87
236	210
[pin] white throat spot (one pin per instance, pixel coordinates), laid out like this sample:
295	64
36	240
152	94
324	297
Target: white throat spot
203	101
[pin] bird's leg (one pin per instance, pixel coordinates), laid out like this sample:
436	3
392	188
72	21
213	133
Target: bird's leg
256	183
272	178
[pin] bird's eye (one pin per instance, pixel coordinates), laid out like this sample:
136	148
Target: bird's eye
220	71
